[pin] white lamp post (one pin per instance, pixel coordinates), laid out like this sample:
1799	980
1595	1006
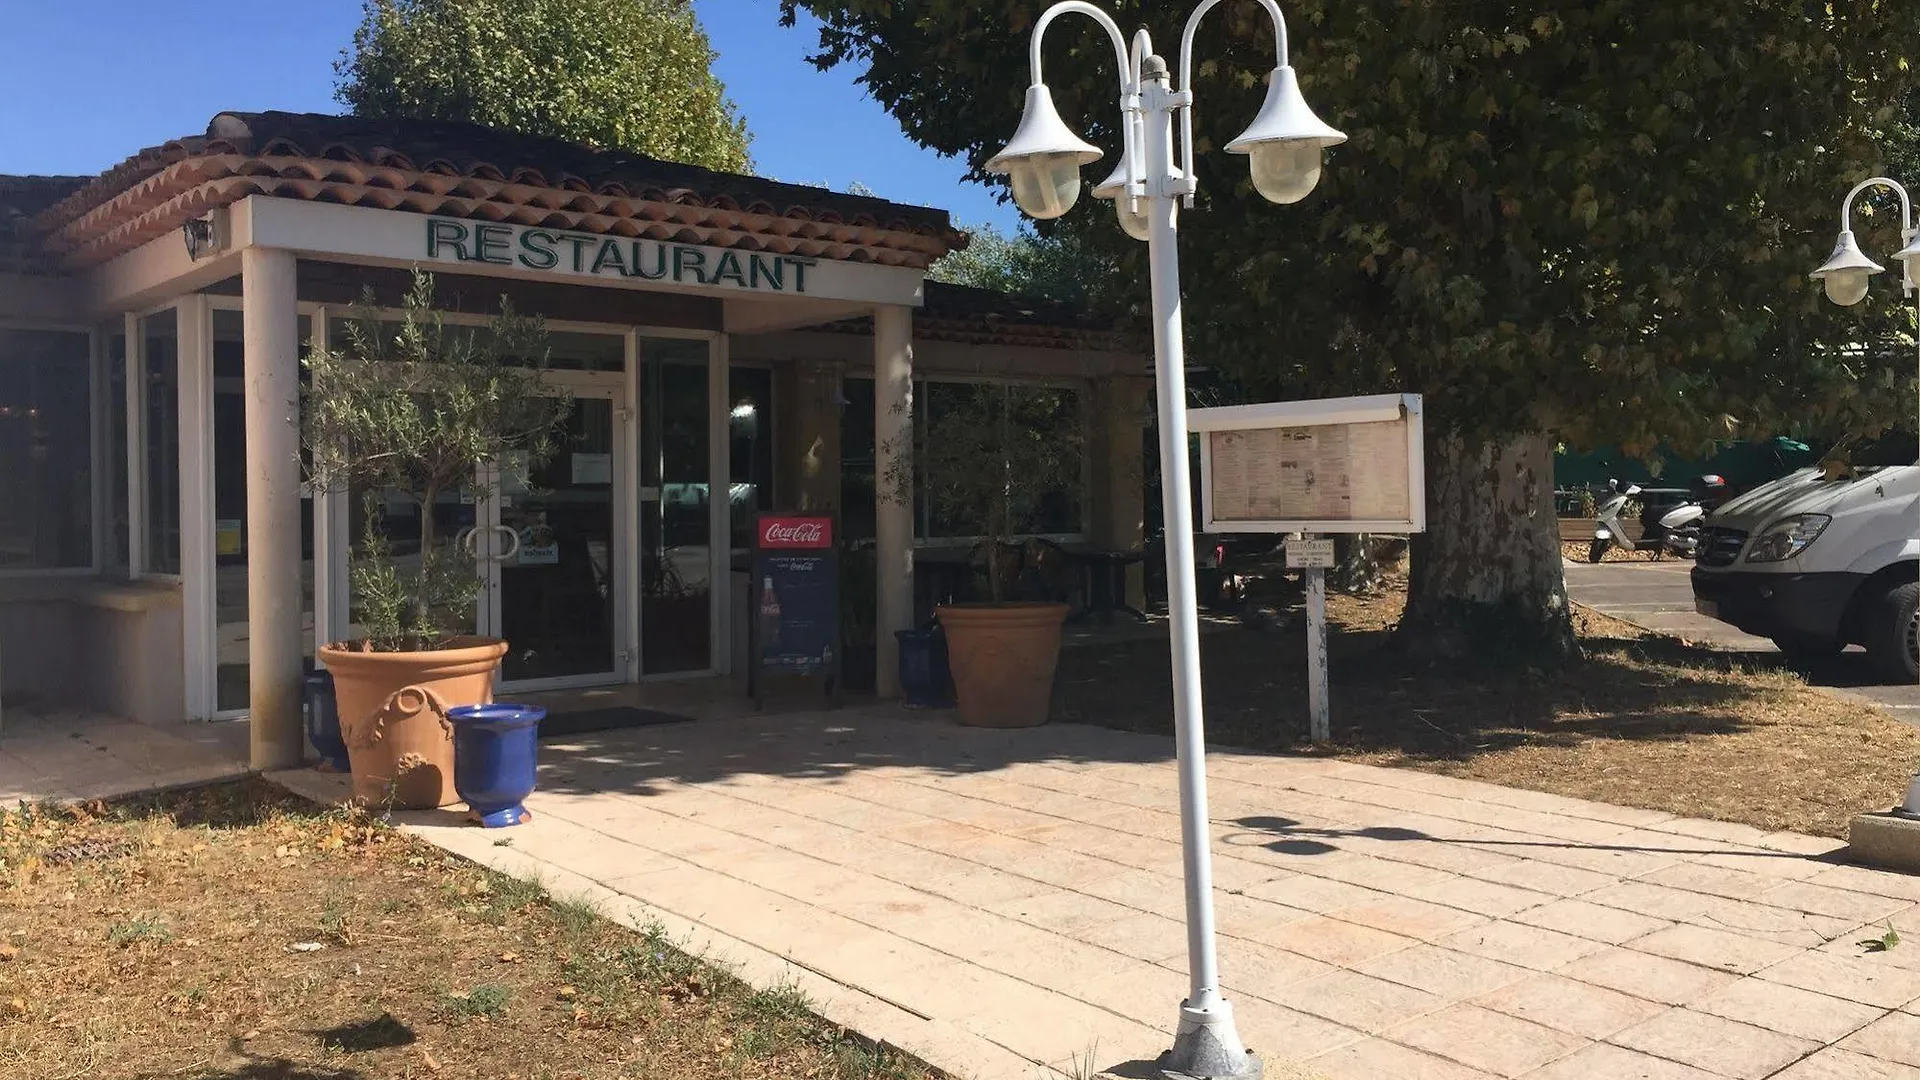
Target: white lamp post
1846	274
1043	162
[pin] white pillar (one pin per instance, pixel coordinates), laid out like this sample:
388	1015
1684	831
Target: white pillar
272	370
893	489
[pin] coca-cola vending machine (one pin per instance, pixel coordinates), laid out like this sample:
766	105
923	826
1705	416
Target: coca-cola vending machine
795	600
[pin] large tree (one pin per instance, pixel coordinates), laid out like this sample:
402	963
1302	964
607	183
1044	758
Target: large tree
626	74
1587	221
1057	266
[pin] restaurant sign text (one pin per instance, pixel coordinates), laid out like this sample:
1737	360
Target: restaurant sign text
613	256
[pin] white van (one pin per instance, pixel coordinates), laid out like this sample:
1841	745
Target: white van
1818	564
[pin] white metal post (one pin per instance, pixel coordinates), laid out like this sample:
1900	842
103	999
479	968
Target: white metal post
1319	726
133	358
198	566
1206	1043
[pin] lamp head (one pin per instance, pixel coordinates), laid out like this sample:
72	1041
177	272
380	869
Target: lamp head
1285	140
1911	255
1846	271
1131	212
1043	160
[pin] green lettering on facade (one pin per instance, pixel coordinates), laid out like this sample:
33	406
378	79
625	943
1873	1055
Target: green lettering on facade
579	243
639	269
768	269
687	259
799	271
451	233
493	244
609	256
536	250
541	249
728	269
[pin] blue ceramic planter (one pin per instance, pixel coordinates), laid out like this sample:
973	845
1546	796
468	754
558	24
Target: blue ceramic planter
495	751
925	680
323	721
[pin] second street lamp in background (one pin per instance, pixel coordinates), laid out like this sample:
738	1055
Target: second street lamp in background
1284	145
1846	275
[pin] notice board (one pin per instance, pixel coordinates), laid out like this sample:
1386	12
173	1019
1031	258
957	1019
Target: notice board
1340	465
795	598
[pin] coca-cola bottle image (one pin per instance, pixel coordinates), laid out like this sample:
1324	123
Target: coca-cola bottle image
769	618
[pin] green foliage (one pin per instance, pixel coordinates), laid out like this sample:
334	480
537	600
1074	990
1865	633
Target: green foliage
487	999
412	409
1594	220
989	455
1058	266
142	928
623	74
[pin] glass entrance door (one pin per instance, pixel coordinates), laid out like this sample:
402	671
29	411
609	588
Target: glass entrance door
547	550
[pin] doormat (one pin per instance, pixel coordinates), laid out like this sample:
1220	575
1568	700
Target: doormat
611	718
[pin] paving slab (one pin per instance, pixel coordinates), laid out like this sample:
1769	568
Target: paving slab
1008	903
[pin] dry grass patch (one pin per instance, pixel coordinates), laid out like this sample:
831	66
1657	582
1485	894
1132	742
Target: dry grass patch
236	933
1643	721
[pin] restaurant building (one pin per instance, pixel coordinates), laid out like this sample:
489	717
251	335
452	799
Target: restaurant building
729	344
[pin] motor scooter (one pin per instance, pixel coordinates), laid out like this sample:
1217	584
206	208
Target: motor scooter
1677	531
1607	532
1681	525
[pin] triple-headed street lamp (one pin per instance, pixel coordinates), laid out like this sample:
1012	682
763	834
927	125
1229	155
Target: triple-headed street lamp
1846	274
1847	271
1284	144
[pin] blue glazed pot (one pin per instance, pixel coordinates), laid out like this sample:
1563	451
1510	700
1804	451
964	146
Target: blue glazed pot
924	678
323	721
495	751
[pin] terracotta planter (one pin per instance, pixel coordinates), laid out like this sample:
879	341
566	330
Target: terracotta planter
1003	657
393	715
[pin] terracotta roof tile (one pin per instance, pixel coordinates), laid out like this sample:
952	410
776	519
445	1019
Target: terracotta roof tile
469	170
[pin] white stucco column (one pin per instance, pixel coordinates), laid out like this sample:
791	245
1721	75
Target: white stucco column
272	369
893	488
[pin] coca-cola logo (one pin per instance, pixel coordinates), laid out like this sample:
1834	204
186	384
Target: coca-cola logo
795	533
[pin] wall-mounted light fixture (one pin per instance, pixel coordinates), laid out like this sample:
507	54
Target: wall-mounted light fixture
199	236
205	235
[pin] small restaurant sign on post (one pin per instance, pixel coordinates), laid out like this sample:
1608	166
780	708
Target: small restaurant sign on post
1303	468
795	628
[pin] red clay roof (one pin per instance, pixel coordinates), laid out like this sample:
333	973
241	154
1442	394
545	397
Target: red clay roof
467	170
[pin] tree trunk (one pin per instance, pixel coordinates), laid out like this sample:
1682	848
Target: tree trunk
1486	580
1356	564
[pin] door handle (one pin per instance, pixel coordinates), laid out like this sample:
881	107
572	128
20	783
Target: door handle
464	541
513	550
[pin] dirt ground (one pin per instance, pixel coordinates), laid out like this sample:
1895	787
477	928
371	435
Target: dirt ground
236	933
1643	721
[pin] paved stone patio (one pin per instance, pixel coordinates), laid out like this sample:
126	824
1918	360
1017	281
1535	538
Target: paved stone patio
1008	903
61	754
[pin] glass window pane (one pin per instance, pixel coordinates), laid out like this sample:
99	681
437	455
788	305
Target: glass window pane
46	443
750	450
1051	413
230	542
162	450
856	459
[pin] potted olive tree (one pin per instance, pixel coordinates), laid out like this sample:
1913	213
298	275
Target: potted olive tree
989	458
405	412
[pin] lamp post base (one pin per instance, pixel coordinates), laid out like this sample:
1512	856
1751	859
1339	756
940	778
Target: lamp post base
1207	1047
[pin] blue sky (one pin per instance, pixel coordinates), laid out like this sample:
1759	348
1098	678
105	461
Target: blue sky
84	83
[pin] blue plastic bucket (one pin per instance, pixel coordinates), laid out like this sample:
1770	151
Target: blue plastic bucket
323	721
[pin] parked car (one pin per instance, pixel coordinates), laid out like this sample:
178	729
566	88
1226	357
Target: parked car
1818	561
